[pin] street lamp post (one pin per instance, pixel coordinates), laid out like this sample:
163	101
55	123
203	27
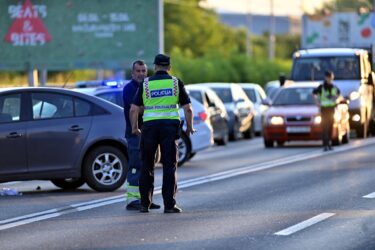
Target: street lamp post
271	38
248	30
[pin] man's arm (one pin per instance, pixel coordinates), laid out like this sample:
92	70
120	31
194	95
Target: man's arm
134	112
188	111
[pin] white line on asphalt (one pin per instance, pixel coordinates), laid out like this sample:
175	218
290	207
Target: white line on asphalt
370	196
304	224
26	219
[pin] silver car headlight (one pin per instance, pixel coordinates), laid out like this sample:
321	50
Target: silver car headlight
354	95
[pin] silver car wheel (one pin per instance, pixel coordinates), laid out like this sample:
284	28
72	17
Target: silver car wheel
107	169
182	149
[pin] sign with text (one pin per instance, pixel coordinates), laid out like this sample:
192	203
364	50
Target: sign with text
78	34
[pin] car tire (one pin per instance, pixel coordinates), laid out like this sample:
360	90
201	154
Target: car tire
184	149
105	168
268	143
345	138
223	141
280	143
192	155
69	183
250	133
233	136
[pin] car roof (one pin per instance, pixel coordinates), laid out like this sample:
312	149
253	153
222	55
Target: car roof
301	85
328	52
98	90
216	84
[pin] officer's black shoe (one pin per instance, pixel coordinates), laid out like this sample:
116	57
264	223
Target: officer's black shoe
144	209
172	210
330	147
154	206
135	205
325	149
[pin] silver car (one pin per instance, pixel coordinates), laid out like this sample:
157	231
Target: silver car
63	136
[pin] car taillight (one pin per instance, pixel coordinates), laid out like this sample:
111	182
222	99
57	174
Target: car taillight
202	115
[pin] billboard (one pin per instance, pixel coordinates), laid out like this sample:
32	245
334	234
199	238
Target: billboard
348	29
78	34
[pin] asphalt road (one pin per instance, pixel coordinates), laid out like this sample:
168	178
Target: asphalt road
241	196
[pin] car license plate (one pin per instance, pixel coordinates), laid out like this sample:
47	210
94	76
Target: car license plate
298	129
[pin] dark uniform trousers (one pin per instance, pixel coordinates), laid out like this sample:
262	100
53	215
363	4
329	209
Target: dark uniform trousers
327	124
165	136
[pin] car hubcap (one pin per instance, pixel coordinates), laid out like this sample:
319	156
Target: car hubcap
107	169
182	148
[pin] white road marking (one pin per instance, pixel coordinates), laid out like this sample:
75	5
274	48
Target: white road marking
304	224
44	215
370	196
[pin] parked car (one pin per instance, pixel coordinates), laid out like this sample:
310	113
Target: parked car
257	95
187	146
294	115
63	136
215	109
239	108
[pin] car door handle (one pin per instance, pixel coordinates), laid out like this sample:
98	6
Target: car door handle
75	128
14	135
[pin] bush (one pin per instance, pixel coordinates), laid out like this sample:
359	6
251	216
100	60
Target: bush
235	68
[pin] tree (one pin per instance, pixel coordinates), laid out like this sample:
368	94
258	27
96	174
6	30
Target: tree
196	30
348	5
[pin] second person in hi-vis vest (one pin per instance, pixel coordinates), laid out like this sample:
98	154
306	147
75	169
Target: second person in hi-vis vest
328	95
160	95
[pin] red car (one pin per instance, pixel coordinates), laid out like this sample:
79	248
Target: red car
294	116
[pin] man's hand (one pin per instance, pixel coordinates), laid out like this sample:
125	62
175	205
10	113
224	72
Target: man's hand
190	130
136	132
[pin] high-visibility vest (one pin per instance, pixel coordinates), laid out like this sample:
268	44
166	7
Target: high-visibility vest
160	99
327	102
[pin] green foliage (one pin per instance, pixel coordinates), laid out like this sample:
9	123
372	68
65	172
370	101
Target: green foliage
347	5
234	68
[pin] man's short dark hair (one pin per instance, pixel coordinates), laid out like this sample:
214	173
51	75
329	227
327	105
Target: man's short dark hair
329	73
138	62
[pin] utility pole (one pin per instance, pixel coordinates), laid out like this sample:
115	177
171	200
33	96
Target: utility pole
271	38
248	30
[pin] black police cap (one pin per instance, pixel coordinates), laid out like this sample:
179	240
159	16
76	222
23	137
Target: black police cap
162	60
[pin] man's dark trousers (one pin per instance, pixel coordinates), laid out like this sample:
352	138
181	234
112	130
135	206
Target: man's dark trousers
327	124
165	136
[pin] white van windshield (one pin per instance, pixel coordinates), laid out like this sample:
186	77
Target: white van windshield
313	68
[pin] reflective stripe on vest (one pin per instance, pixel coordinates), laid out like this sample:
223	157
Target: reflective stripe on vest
160	99
325	101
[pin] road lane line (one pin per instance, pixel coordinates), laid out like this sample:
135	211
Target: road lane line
28	221
370	196
184	184
304	224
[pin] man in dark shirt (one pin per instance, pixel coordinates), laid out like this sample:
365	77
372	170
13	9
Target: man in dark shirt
139	72
160	96
328	94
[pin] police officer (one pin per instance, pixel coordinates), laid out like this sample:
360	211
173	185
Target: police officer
139	72
160	96
328	94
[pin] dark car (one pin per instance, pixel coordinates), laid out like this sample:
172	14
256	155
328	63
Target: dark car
239	108
63	136
215	109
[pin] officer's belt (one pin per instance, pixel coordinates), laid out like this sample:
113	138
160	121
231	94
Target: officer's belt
173	106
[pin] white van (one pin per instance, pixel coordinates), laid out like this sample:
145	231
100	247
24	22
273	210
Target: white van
352	69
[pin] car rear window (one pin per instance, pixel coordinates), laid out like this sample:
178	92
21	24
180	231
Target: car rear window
224	94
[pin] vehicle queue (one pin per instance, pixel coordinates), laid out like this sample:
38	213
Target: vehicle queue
222	112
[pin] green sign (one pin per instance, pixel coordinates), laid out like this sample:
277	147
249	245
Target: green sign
78	34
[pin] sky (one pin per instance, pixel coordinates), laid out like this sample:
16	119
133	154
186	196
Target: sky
281	7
